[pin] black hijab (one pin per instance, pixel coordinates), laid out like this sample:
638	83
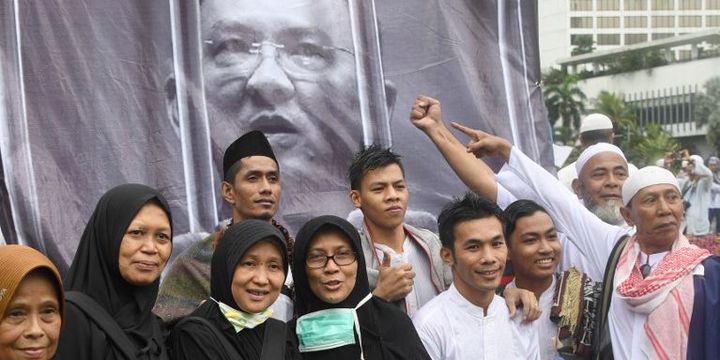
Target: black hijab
193	341
306	301
236	241
387	332
95	271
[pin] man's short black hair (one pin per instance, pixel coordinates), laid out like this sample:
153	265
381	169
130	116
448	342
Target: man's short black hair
371	158
470	207
593	137
516	211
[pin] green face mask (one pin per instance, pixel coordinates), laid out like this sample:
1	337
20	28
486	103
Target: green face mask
329	329
241	320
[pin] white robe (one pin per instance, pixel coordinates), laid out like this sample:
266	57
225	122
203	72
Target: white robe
452	328
595	237
545	329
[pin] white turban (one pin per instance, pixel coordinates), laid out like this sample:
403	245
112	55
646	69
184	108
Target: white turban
647	176
593	150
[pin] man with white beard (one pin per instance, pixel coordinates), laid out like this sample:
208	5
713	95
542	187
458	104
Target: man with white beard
602	170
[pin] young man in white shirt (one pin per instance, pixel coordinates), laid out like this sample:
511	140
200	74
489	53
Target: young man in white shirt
468	321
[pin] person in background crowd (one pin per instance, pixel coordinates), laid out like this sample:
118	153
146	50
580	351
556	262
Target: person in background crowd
468	321
248	269
338	317
594	128
696	191
114	278
251	186
31	304
714	209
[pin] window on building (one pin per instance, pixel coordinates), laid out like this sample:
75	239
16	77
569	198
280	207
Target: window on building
684	55
635	4
663	21
690	4
581	5
581	22
635	38
608	4
608	39
658	36
690	21
636	22
712	4
663	4
712	21
605	22
576	39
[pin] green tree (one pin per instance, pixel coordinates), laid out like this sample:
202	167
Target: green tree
583	44
622	115
707	111
566	102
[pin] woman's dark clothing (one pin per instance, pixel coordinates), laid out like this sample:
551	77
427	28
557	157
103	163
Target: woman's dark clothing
95	272
387	332
195	341
191	340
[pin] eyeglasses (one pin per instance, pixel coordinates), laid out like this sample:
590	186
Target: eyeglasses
299	59
342	258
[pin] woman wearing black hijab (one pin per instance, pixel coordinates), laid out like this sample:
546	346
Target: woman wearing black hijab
247	271
114	277
330	281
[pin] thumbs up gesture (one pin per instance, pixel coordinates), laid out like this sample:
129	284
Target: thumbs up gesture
394	282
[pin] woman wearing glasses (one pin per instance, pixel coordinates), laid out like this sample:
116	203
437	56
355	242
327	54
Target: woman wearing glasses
338	316
248	269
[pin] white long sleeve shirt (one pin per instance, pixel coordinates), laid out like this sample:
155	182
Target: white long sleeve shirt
453	328
595	237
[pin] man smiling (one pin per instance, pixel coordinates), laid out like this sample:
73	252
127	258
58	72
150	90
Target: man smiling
468	321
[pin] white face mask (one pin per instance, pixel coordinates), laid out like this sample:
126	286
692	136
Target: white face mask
329	329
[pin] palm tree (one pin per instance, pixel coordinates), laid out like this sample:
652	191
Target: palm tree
566	102
707	111
622	115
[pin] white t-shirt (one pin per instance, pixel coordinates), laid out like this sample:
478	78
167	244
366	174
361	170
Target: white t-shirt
423	289
452	328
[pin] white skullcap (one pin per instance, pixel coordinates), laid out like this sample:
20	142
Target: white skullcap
593	150
697	159
647	176
595	122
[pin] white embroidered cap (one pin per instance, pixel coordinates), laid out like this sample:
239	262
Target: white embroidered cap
647	176
593	150
595	122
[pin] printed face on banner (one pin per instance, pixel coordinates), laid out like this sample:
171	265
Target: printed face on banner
287	68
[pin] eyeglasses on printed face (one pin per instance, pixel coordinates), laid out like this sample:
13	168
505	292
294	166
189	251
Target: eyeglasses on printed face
341	258
298	59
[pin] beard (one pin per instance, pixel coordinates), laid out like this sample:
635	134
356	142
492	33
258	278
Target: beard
609	213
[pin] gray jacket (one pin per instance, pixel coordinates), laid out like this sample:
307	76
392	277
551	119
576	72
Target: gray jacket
428	241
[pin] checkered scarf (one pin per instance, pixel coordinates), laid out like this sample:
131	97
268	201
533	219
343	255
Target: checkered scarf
665	296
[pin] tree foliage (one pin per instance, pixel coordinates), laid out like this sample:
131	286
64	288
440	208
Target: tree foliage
565	102
583	44
707	111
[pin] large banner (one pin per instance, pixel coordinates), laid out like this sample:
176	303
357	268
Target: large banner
99	93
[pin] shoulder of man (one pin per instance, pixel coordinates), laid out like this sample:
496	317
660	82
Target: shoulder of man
187	283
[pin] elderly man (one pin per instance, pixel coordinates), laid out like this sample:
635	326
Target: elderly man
664	294
602	172
287	68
